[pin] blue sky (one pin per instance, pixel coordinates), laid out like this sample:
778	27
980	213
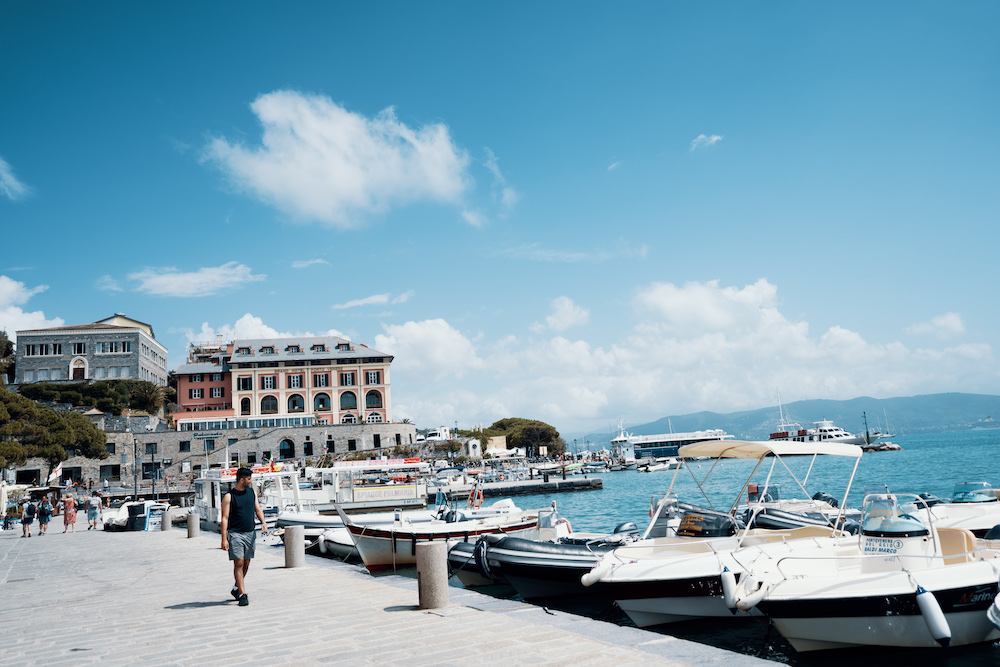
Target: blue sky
570	211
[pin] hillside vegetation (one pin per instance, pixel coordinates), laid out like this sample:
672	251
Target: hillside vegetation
28	429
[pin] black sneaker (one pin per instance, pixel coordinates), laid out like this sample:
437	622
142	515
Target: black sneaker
235	593
244	601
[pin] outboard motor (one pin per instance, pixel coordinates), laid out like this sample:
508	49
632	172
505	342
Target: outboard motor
993	533
826	498
627	527
927	500
892	540
547	520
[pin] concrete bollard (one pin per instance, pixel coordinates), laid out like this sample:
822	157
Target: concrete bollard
166	520
432	574
295	549
194	525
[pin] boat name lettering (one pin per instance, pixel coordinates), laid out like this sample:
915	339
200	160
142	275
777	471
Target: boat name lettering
881	545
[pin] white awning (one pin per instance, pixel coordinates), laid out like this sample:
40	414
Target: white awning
743	449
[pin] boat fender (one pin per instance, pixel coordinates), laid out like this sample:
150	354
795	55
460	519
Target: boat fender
321	540
502	477
748	593
933	616
597	572
729	589
993	613
479	554
569	528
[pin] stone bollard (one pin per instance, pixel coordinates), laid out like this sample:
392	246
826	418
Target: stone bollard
295	550
194	525
166	520
432	574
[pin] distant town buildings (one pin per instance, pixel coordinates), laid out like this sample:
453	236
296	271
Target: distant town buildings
115	347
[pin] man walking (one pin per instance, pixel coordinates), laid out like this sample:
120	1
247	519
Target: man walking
239	538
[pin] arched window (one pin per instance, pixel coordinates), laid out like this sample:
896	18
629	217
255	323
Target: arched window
349	419
268	405
296	403
245	406
286	450
373	399
348	401
374	418
321	402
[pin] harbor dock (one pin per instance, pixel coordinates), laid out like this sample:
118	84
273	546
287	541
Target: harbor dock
551	484
160	598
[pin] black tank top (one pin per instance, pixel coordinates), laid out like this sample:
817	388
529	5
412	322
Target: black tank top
241	510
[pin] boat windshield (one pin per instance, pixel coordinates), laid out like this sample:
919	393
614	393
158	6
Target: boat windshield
759	494
974	492
882	516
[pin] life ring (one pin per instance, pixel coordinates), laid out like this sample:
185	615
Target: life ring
569	528
476	498
520	475
502	477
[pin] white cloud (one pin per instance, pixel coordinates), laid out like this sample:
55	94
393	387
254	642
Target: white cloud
318	161
536	253
13	295
614	165
942	326
248	326
683	348
305	263
474	218
705	140
207	281
367	301
404	297
566	314
108	284
505	195
10	187
431	347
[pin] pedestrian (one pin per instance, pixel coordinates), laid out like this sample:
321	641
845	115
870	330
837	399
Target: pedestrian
106	485
93	510
239	536
44	516
27	518
69	513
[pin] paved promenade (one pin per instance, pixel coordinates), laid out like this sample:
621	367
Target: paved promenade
159	598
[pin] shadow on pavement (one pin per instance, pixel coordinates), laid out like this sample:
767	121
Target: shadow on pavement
198	605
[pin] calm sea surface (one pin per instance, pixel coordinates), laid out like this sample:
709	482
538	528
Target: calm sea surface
930	462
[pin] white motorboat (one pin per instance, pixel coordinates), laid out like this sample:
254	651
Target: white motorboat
973	505
132	515
385	546
680	578
904	581
662	463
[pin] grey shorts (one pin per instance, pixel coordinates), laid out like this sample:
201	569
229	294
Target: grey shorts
241	545
91	515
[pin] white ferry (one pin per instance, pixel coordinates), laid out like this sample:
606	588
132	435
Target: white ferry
662	445
822	431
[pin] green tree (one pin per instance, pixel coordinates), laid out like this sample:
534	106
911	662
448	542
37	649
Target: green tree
530	434
6	355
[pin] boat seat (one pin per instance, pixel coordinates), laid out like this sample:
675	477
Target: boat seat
955	542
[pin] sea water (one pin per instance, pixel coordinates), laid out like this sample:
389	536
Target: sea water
931	463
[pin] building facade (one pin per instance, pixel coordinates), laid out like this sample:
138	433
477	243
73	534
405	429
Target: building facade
282	382
115	347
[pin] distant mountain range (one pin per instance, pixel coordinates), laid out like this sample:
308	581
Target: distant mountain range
912	414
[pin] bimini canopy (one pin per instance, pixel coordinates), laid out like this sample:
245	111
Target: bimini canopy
743	449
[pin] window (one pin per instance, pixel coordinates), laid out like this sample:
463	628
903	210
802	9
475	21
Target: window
377	440
216	377
293	348
196	378
267	350
373	399
349	419
43	374
296	403
352	445
110	448
184	446
244	384
321	379
348	401
374	377
319	347
399	440
125	371
29	376
321	402
266	454
232	441
374	418
251	457
295	382
113	347
30	350
57	374
196	393
245	406
56	348
344	347
268	382
346	379
307	449
243	350
209	445
217	392
268	405
150	448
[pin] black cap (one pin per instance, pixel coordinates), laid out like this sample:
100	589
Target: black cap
243	472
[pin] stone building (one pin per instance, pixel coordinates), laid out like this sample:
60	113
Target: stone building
115	347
